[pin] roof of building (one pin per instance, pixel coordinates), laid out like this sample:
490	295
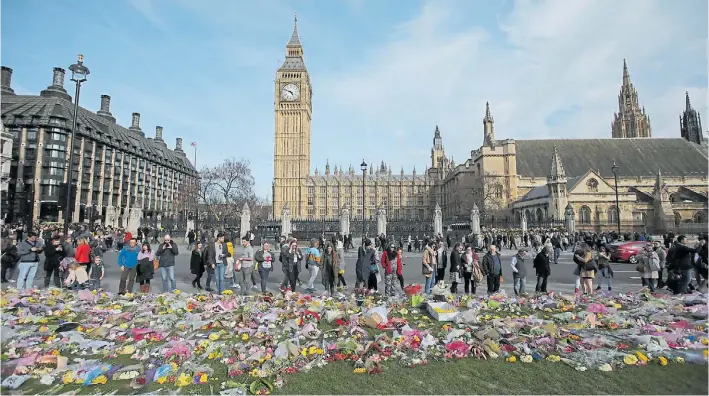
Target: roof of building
640	157
36	111
543	192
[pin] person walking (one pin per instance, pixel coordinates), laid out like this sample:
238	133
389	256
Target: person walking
389	259
9	258
128	261
145	270
290	258
246	262
587	270
264	263
519	271
605	272
492	269
542	266
215	260
28	252
470	259
428	265
456	266
329	268
312	263
166	255
197	264
649	262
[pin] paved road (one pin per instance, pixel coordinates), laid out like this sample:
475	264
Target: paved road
562	278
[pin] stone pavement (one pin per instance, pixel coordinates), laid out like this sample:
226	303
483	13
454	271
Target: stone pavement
562	278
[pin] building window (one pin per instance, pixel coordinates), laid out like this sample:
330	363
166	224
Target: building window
699	217
612	215
585	215
592	185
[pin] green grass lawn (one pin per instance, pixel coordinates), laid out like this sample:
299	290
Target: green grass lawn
466	376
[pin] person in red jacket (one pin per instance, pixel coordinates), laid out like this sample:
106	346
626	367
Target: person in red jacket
389	260
83	253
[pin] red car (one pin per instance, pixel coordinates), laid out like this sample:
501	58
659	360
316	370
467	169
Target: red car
626	251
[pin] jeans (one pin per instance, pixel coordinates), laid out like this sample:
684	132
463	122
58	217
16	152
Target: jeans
219	271
168	273
649	282
263	273
127	275
246	279
430	281
604	276
313	270
25	275
520	283
541	284
290	278
577	283
468	282
557	253
94	284
48	277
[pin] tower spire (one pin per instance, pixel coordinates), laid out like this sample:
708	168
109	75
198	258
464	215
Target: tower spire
488	131
294	38
488	116
626	75
557	168
687	105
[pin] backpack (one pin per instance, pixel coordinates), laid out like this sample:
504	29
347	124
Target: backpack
654	262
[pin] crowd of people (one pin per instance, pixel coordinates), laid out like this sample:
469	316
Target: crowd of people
76	260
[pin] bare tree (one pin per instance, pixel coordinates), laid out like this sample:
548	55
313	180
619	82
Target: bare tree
489	193
224	188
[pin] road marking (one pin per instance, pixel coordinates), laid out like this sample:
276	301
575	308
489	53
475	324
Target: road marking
626	271
634	277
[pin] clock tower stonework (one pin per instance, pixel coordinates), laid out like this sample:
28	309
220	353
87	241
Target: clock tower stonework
293	111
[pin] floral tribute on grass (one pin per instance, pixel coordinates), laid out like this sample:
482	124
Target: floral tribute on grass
55	341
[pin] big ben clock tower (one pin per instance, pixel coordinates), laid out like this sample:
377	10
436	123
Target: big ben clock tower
293	111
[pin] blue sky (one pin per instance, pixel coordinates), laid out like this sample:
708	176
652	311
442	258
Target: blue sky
384	73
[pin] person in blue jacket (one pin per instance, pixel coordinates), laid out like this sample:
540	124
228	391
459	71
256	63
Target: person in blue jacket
128	261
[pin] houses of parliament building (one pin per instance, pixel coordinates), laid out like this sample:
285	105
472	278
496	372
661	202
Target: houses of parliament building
661	182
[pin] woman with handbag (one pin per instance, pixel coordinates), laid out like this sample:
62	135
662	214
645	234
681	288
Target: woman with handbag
147	264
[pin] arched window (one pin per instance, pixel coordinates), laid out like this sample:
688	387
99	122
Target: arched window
612	215
498	191
699	217
592	185
585	215
540	214
530	216
678	219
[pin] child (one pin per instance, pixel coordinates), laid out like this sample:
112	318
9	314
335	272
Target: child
96	273
77	278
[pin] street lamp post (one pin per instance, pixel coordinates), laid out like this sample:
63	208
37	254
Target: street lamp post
614	168
363	166
79	72
20	199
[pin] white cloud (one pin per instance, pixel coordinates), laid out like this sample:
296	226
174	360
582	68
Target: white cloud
557	55
147	9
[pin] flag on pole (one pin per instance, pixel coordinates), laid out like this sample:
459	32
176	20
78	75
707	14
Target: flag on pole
193	144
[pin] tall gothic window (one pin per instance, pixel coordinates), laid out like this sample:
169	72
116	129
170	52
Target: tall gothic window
585	215
592	185
612	215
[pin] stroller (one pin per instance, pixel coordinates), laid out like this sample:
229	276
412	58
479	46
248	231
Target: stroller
64	270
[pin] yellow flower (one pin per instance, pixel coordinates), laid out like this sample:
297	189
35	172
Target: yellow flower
128	295
606	367
663	361
304	352
617	306
43	329
161	380
227	292
679	360
214	336
203	378
177	291
100	380
174	366
311	350
512	359
68	377
553	358
319	351
359	370
123	326
641	356
630	360
526	359
127	350
183	380
244	337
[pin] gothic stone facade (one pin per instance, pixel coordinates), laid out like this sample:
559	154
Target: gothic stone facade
630	121
662	183
319	196
115	168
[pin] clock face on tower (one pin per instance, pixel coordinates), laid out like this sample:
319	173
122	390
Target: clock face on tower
290	92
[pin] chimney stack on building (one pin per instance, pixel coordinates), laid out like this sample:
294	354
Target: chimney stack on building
135	124
158	133
7	81
178	144
105	111
56	90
